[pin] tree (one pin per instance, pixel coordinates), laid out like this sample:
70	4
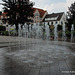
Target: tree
0	12
18	11
59	27
71	16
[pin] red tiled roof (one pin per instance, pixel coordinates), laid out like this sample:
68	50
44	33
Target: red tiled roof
41	11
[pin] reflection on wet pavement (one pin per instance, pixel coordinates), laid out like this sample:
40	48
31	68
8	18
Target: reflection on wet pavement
43	57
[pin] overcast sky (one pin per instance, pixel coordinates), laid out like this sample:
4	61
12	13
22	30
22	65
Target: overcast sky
51	6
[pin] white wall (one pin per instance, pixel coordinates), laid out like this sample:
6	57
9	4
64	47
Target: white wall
63	19
44	16
36	17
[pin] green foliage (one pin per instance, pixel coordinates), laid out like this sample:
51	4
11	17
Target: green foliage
41	24
59	27
2	28
4	33
68	33
52	34
74	22
18	11
73	32
60	34
71	16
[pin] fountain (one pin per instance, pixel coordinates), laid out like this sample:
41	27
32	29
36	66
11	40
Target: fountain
36	31
9	29
24	31
41	31
19	30
63	33
38	52
55	32
34	27
47	31
30	31
72	29
14	30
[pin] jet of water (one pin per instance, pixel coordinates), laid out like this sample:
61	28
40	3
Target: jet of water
72	29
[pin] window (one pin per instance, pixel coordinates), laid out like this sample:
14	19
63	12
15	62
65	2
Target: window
36	14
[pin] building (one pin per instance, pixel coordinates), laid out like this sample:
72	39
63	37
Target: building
3	16
52	19
39	15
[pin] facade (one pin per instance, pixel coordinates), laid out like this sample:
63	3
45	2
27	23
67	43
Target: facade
1	19
42	16
52	19
39	15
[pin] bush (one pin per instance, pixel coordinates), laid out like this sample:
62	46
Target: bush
68	33
73	32
60	34
4	33
2	28
52	34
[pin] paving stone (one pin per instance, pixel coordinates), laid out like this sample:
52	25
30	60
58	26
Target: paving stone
53	57
34	72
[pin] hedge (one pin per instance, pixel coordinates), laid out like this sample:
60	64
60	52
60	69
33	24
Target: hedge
4	33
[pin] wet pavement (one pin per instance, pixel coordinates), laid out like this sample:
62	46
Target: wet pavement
22	56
